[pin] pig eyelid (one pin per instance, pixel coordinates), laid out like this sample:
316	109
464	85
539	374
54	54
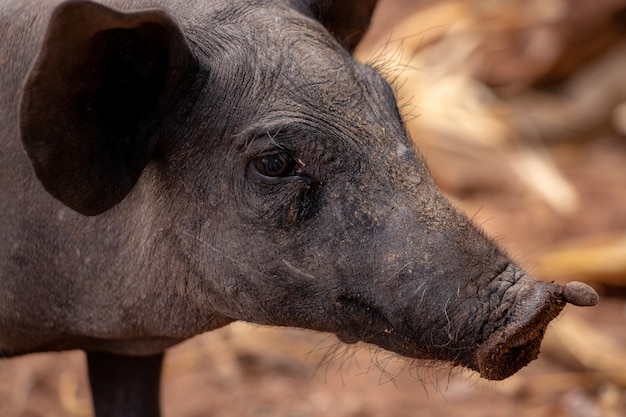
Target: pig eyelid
274	137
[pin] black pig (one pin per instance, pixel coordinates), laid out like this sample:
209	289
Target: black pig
211	161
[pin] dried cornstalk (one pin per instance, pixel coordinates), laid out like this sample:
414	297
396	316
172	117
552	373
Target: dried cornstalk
577	344
601	259
431	55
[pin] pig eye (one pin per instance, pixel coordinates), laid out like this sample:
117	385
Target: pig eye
274	165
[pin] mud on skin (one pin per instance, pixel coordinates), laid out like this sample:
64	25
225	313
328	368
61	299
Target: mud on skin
169	167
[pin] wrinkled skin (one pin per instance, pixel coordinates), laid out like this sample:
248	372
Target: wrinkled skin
234	163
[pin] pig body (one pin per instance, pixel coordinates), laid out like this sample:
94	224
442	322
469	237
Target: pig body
168	167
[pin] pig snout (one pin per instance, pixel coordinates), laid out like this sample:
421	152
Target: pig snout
449	294
517	342
496	332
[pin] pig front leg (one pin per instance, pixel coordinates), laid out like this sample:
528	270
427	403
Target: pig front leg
125	386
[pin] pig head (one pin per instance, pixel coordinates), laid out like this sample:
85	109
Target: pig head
192	163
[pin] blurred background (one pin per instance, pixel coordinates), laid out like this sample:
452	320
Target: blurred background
519	108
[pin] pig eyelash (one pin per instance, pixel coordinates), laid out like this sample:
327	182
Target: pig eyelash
273	139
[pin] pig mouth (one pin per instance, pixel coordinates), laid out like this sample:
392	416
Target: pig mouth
361	315
517	343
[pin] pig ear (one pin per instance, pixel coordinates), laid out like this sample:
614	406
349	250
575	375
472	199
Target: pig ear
347	20
93	97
